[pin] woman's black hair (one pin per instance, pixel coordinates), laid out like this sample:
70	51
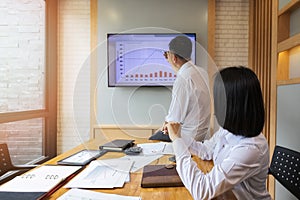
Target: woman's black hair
238	101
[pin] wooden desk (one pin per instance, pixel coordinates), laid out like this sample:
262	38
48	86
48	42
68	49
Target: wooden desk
133	188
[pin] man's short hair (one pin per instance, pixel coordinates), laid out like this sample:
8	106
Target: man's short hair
181	46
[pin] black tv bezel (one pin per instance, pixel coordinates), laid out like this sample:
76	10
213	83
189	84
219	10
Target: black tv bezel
146	85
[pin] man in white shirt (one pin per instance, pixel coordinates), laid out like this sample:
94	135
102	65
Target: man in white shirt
190	103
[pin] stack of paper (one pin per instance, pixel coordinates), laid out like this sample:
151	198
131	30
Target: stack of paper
151	152
108	173
86	194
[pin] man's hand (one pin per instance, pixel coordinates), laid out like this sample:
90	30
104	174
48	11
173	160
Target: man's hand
164	128
174	130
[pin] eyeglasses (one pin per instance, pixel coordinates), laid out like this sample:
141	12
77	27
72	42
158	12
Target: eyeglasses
166	54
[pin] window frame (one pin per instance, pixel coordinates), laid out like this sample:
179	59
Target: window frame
49	114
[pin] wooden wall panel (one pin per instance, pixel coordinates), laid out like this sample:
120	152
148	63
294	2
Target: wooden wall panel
260	48
262	63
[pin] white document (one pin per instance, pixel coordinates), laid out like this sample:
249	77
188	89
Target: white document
80	194
108	173
168	150
157	148
41	179
139	161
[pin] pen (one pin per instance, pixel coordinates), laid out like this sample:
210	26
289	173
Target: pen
164	148
114	172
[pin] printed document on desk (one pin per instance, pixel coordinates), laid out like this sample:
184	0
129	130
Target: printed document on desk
157	148
108	173
75	194
41	179
139	161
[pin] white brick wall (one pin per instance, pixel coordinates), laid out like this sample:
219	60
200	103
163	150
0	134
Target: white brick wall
22	44
74	48
231	32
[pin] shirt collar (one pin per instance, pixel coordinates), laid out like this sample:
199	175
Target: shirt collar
185	66
232	139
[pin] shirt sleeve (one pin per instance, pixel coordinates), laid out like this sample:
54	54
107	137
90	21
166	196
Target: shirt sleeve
240	165
205	149
180	100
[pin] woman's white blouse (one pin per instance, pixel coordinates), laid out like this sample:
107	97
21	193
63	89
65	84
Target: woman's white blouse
240	164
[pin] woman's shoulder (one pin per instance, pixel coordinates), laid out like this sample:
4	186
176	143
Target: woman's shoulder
259	139
257	145
258	142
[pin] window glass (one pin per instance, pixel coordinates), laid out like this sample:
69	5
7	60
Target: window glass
24	139
22	55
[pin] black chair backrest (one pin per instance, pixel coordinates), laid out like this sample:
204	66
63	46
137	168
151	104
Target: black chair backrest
5	164
285	167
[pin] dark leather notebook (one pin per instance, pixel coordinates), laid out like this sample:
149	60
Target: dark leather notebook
117	145
160	176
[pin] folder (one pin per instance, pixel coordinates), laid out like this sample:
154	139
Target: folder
21	195
82	157
160	176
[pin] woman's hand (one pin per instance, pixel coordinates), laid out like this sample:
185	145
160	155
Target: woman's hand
174	130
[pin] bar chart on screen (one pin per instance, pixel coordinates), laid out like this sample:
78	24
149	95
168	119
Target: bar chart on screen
144	65
139	59
148	74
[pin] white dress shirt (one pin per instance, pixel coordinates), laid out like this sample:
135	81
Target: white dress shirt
240	164
190	103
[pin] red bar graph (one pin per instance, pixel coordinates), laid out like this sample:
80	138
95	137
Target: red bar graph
160	74
155	76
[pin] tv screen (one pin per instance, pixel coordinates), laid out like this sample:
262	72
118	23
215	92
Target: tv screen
137	59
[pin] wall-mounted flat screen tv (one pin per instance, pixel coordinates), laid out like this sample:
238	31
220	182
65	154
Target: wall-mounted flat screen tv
136	59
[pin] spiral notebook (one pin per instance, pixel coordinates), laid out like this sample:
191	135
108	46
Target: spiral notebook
38	182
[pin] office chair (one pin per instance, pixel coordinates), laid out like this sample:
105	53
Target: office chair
7	169
285	167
